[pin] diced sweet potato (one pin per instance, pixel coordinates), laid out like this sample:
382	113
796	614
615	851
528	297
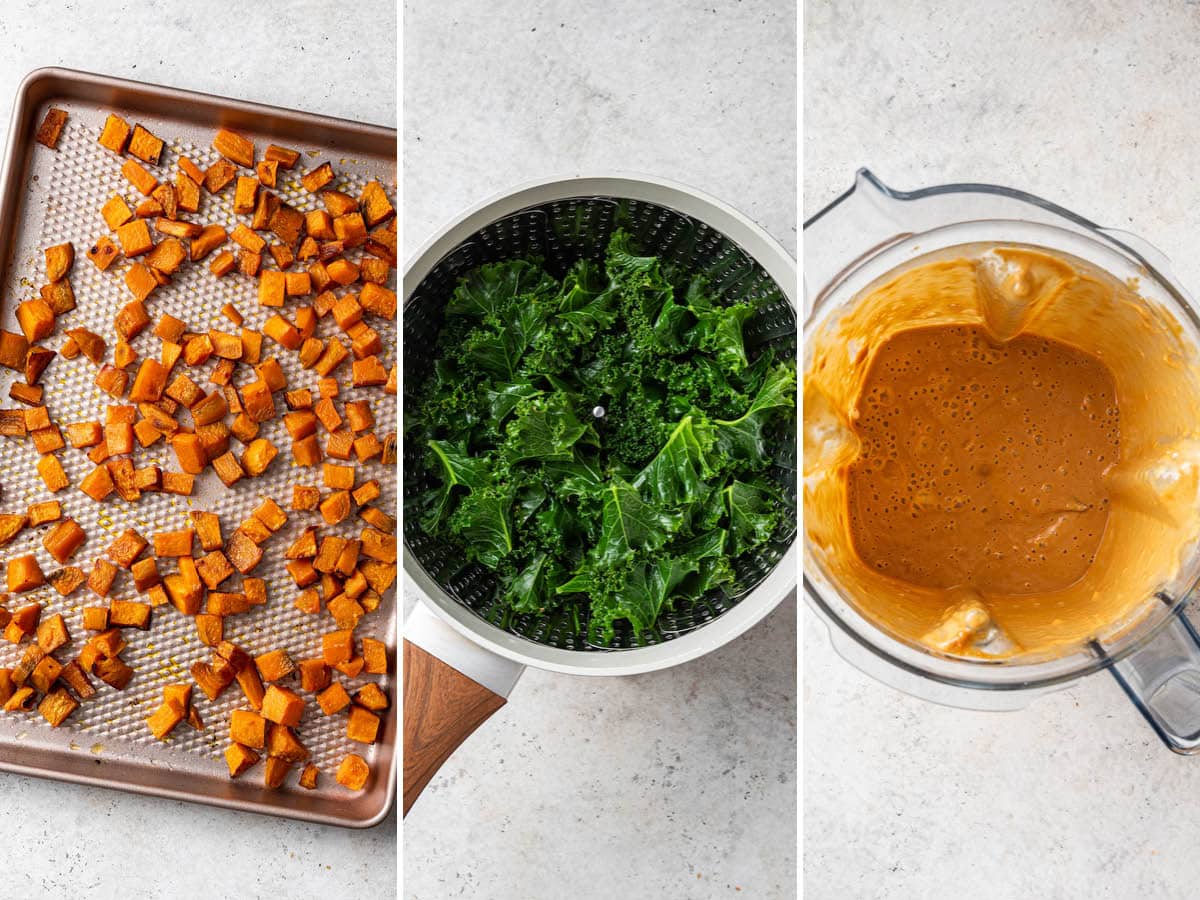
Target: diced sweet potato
59	259
258	456
10	526
97	484
285	157
317	178
164	719
36	319
234	147
64	539
208	529
274	665
245	194
248	728
210	629
353	772
145	146
142	180
113	672
24	574
174	543
219	175
115	133
57	705
282	706
239	758
51	128
129	614
126	548
212	237
243	553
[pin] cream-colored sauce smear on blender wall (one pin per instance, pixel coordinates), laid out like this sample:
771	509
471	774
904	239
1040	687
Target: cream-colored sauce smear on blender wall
1001	451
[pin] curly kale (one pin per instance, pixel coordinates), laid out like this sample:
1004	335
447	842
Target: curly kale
603	440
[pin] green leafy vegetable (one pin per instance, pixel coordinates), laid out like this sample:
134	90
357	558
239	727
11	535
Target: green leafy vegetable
601	443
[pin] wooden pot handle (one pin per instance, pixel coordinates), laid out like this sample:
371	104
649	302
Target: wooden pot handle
442	707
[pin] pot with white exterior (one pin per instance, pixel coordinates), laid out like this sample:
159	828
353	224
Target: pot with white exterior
462	653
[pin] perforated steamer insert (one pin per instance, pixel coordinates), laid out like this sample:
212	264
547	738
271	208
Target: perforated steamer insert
51	197
472	633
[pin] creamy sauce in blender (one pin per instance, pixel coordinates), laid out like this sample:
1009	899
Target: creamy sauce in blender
1001	452
982	463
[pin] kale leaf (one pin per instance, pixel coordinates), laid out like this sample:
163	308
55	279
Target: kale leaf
602	442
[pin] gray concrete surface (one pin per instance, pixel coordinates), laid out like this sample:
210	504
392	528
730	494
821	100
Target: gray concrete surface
84	842
679	784
1094	106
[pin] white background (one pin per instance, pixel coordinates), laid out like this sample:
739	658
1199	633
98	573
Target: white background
1094	106
67	841
679	784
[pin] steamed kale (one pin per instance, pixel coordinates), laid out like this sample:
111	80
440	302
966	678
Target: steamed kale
600	441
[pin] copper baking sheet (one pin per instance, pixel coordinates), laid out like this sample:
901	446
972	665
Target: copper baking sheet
47	197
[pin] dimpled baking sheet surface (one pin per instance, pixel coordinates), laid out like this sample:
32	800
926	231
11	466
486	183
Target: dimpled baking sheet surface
54	196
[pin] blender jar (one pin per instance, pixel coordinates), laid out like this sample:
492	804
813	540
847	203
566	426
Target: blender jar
869	232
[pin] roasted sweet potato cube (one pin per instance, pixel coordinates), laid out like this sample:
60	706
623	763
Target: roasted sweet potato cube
59	296
342	271
209	681
283	255
167	256
245	193
248	728
351	668
239	758
97	484
22	700
275	771
115	133
142	180
10	526
145	146
267	172
335	507
134	238
282	743
282	706
210	629
52	633
164	719
335	353
51	128
234	147
317	178
113	672
174	543
314	675
214	568
378	300
371	697
25	393
271	289
127	548
350	230
258	456
287	223
24	574
254	530
187	191
374	653
306	451
219	175
212	237
44	674
74	677
36	361
95	618
59	259
57	705
274	665
14	348
36	319
64	539
305	497
228	469
372	271
208	529
101	578
145	574
184	594
243	553
283	332
282	155
337	646
353	772
189	452
376	207
129	614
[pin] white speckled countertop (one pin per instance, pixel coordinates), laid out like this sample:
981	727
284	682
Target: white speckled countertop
679	784
1094	106
85	842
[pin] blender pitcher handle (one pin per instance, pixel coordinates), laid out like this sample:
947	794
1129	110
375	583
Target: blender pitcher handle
1163	681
